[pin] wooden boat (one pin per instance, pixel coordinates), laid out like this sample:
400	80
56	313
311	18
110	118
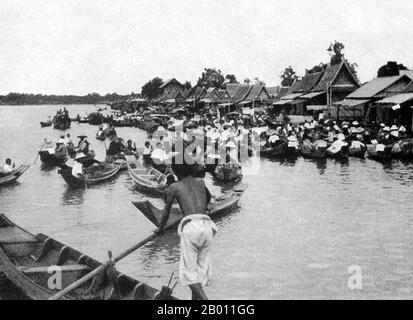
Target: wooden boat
7	178
61	122
46	124
93	175
28	262
308	152
266	151
358	153
228	172
342	154
384	155
51	160
95	118
222	204
146	179
82	119
318	150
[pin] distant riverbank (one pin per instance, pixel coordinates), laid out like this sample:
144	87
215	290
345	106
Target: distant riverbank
40	99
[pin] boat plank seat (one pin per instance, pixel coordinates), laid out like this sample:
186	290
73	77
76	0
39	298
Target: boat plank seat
48	269
11	235
42	250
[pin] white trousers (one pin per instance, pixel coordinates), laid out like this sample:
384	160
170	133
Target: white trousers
196	238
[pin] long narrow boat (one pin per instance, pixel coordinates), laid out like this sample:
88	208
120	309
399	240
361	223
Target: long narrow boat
28	262
51	160
93	175
146	179
46	124
12	176
221	205
228	172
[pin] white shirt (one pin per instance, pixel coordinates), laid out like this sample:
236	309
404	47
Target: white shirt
147	151
273	138
7	168
159	154
77	169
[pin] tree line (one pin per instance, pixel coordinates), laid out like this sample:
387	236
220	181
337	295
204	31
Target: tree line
14	98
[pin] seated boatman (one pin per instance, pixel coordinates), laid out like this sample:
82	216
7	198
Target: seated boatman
196	228
8	167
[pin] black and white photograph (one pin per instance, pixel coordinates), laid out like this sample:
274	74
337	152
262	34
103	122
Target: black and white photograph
213	150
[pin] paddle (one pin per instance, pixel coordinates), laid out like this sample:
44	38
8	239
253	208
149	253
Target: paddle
41	147
90	275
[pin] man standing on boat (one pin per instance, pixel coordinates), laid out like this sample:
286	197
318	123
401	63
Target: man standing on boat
196	228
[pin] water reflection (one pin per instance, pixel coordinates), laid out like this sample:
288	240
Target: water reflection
73	197
167	246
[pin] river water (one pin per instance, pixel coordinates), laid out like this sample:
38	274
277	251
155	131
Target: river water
301	230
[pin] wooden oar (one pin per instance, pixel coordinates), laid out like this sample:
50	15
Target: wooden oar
41	147
90	275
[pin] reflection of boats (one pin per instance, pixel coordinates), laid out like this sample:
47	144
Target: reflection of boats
73	196
222	204
29	261
7	178
146	179
93	175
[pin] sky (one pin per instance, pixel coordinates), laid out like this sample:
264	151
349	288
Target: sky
78	47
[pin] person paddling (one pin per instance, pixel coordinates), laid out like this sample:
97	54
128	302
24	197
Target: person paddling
196	228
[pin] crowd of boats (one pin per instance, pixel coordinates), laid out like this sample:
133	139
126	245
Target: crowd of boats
26	259
219	146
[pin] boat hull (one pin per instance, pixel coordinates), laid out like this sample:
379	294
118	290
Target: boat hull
146	179
50	160
27	260
12	177
61	123
91	178
222	205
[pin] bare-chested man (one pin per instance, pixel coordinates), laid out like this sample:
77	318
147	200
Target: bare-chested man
196	229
